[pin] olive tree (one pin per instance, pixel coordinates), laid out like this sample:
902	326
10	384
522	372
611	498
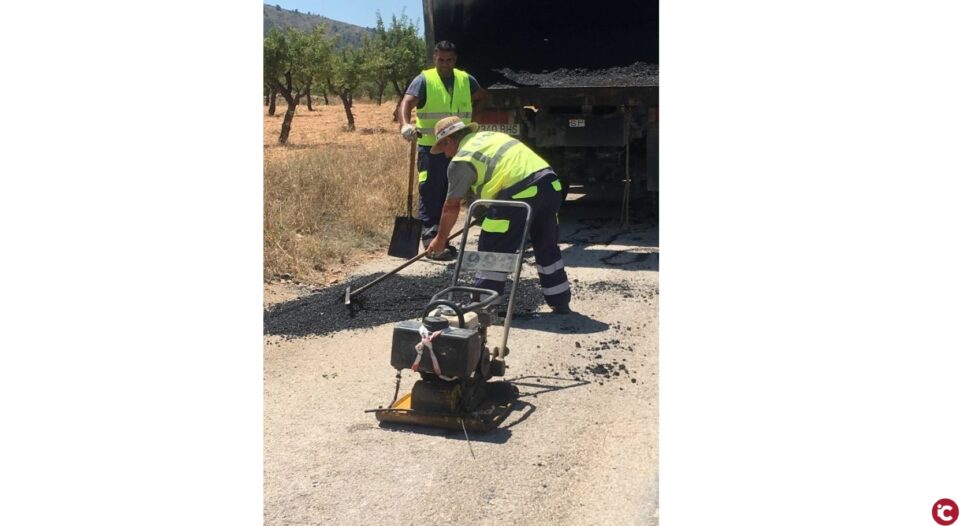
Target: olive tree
343	77
376	66
291	60
405	52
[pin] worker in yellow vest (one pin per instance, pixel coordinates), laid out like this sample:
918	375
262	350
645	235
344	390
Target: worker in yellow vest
494	165
439	92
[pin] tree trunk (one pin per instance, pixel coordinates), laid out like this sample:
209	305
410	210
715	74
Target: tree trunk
273	102
380	89
287	120
396	109
309	100
326	101
347	99
291	109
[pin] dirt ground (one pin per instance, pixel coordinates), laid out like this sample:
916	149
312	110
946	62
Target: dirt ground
580	447
326	126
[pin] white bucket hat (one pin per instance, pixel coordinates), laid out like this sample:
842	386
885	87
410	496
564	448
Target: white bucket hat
447	126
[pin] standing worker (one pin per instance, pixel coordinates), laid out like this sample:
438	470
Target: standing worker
439	92
494	165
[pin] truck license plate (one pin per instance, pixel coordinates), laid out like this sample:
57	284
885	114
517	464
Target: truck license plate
509	129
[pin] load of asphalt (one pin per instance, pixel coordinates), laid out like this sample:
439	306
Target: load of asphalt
638	74
395	299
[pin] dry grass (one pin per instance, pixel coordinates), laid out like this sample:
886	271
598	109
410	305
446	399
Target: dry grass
330	196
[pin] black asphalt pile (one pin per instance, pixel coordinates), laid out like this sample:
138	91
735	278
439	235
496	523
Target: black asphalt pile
638	74
395	299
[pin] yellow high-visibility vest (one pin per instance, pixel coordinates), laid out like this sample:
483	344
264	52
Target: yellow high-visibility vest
500	160
441	103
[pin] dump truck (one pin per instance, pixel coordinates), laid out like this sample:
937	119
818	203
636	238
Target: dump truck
576	81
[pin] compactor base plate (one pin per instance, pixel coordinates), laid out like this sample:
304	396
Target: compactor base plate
492	411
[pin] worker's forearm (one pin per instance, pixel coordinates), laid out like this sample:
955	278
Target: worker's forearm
406	109
448	218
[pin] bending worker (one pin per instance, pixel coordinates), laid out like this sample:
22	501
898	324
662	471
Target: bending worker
438	92
493	165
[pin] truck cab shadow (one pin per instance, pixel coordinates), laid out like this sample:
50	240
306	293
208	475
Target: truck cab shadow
594	239
624	249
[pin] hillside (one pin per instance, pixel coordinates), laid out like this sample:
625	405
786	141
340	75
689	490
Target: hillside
348	34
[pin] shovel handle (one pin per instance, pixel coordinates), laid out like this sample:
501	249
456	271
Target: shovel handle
406	264
413	170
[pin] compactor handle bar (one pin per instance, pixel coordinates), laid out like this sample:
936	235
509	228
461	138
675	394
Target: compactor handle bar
490	203
481	304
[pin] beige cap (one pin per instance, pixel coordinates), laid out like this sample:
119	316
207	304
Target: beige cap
448	125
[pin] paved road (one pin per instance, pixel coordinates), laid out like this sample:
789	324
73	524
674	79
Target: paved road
581	448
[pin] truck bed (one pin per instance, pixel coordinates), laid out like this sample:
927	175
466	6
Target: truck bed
550	43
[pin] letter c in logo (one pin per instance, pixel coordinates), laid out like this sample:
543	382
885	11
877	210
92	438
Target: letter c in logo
945	512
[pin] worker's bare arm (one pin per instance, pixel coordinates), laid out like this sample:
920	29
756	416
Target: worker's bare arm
448	218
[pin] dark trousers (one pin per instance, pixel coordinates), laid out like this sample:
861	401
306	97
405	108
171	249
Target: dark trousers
544	235
433	190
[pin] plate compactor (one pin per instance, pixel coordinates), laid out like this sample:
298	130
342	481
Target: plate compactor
447	346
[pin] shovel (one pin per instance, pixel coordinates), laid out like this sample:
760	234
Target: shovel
405	241
350	293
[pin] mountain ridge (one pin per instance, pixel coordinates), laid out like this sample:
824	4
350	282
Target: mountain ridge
347	35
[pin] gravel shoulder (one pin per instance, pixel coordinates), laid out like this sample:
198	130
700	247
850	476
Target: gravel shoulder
581	447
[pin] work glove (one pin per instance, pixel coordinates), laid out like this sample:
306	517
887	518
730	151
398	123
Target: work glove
409	132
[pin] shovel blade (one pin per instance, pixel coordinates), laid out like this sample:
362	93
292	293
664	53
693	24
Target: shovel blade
405	241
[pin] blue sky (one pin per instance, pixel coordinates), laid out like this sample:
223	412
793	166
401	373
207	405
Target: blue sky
358	12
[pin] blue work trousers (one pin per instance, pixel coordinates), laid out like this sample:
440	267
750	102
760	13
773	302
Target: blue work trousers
432	168
544	236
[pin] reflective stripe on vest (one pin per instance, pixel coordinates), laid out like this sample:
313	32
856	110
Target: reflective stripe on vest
499	160
441	103
422	176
